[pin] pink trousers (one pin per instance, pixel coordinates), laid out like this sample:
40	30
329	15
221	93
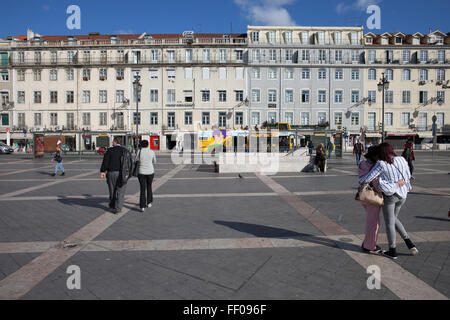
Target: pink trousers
372	226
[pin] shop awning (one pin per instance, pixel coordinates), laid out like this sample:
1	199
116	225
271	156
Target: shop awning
402	134
426	134
372	135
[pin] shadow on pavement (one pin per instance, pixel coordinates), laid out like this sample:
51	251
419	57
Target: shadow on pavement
272	232
90	202
432	218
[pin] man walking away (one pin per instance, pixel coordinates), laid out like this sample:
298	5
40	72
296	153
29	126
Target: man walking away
57	156
310	147
358	150
117	165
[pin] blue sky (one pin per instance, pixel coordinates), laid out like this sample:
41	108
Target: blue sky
48	17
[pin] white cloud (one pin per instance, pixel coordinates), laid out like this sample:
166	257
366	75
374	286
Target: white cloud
267	12
360	5
122	31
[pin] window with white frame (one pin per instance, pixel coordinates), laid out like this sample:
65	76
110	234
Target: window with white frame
206	55
188	117
321	117
103	74
69	74
239	95
423	75
272	55
423	97
441	56
171	95
305	118
222	73
255	118
406	56
37	75
322	74
406	96
355	39
355	74
256	55
289	55
188	73
272	117
205	73
53	119
86	118
372	54
339	74
389	96
372	95
306	73
38	97
338	56
86	74
239	73
205	118
423	56
355	56
338	118
321	37
406	74
305	37
86	96
389	75
154	55
322	56
239	55
20	75
289	117
256	73
222	119
222	95
440	96
205	95
289	72
440	75
171	120
337	37
272	73
255	36
389	119
53	74
355	96
188	55
153	118
440	119
305	96
322	96
171	56
372	74
405	119
423	121
170	74
153	95
355	119
272	96
288	37
102	96
256	95
272	37
305	55
289	95
20	96
222	55
38	119
338	96
371	121
69	97
239	118
53	96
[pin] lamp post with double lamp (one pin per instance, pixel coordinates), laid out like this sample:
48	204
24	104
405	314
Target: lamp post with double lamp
137	88
382	86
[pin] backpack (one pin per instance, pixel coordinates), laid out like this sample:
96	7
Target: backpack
126	166
58	157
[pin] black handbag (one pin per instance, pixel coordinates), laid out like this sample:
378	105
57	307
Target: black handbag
136	164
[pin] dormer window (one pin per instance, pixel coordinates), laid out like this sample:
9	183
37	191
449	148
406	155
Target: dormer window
321	36
272	37
369	40
385	40
416	40
398	40
439	40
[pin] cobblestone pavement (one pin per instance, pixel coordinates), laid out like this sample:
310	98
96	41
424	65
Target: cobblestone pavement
215	236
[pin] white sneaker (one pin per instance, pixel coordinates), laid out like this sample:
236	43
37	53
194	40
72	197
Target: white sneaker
142	209
149	205
414	251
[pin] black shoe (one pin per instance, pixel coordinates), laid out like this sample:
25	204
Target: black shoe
53	174
377	250
411	247
391	253
62	174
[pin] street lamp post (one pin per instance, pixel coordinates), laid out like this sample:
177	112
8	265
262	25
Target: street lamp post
382	86
137	88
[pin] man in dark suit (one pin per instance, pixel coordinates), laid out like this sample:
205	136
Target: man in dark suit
112	166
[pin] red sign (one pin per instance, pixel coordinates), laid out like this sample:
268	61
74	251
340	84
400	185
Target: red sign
7	129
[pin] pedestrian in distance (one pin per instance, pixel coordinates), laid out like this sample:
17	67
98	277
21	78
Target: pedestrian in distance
146	172
394	181
358	150
321	157
408	154
369	244
310	147
116	167
57	156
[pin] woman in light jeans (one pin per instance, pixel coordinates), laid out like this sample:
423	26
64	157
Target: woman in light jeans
146	173
369	244
394	179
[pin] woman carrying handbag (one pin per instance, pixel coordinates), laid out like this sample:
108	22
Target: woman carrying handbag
369	244
394	181
145	158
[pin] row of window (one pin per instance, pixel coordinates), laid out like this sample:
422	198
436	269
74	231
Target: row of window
305	119
306	37
137	56
120	96
222	74
407	56
423	74
305	74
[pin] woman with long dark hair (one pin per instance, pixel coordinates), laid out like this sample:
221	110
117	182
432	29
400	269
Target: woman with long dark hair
146	173
394	180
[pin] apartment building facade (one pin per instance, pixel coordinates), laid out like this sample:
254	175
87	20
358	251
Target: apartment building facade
82	86
417	67
306	76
